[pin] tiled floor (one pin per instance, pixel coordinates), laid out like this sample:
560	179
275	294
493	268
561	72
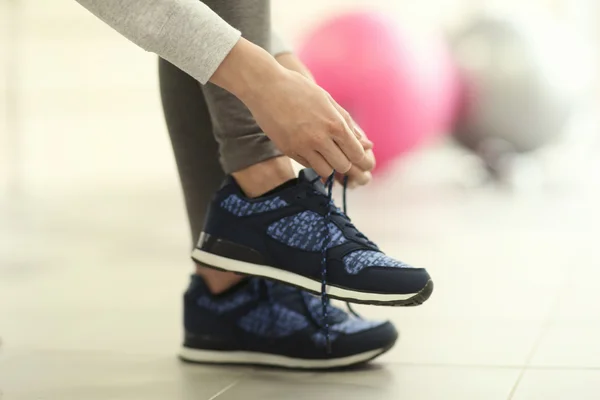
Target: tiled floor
94	248
90	288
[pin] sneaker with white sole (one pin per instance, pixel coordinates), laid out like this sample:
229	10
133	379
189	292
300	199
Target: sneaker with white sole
296	235
259	322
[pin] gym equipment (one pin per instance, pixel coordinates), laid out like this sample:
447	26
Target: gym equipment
520	84
401	90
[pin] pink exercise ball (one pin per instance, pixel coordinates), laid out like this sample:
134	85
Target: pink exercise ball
400	90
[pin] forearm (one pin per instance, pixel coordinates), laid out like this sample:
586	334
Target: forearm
186	33
246	69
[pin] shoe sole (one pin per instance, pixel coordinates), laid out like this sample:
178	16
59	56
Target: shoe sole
249	358
264	271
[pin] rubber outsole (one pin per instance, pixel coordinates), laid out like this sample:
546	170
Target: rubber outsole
262	360
304	283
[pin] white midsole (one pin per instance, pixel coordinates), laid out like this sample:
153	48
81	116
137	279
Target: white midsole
248	357
291	278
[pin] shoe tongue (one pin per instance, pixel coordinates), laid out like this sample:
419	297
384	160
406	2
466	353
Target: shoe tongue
308	175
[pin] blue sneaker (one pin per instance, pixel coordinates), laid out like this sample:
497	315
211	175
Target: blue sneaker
260	322
296	235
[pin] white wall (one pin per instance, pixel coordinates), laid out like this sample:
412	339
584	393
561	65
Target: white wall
3	127
89	103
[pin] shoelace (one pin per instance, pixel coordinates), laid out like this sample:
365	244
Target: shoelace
330	209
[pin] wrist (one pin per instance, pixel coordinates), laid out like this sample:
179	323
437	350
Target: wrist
293	63
246	69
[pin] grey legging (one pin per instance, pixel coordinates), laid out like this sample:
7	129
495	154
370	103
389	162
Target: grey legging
211	131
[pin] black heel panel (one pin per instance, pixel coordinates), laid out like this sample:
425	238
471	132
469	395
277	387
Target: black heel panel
229	249
209	342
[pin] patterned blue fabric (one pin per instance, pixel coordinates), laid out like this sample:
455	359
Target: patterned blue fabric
272	321
358	260
220	306
242	207
280	292
305	231
349	326
340	321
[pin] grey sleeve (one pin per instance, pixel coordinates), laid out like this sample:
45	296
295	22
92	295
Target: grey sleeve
186	33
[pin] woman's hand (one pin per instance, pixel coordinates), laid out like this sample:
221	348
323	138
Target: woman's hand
360	173
359	176
302	119
305	123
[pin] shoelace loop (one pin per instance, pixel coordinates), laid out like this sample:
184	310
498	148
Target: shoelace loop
333	210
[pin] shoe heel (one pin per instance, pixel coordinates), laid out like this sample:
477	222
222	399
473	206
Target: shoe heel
228	249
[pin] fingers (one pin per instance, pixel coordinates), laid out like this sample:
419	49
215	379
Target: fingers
366	143
368	162
355	129
334	156
349	145
356	177
319	164
364	140
359	177
348	151
300	160
346	136
345	152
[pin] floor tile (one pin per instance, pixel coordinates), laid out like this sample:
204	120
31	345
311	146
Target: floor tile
569	345
101	375
571	339
580	300
558	385
379	382
462	343
151	332
512	251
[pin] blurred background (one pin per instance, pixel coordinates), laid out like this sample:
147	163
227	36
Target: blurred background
498	199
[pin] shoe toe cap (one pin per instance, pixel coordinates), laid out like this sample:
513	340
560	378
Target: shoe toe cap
381	337
395	280
383	280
